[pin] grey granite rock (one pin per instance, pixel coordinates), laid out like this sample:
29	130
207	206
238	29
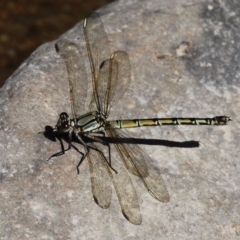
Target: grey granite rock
48	200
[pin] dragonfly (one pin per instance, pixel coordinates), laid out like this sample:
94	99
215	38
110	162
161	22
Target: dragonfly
111	76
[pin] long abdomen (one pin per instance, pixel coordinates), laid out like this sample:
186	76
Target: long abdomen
219	120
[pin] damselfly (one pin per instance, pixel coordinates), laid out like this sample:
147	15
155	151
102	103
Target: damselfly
111	75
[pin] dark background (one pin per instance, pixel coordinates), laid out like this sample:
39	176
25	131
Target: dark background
25	25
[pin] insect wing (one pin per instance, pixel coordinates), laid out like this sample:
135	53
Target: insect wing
98	51
140	164
77	76
113	80
99	172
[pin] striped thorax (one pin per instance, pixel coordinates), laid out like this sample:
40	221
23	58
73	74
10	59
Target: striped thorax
89	122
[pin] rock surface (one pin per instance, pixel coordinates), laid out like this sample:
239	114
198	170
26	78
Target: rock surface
48	200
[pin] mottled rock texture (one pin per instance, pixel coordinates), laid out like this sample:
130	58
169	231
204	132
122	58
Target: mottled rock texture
48	200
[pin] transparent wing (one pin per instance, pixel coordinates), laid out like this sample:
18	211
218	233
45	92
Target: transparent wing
126	193
139	164
111	74
98	50
101	183
77	76
113	80
122	183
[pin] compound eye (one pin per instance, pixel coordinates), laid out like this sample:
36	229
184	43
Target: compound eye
63	123
63	116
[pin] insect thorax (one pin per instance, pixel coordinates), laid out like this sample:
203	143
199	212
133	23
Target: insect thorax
91	122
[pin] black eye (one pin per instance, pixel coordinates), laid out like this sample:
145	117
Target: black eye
63	116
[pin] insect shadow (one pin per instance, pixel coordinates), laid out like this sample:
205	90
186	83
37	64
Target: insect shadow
52	135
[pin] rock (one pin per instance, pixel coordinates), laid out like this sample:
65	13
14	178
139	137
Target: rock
184	57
